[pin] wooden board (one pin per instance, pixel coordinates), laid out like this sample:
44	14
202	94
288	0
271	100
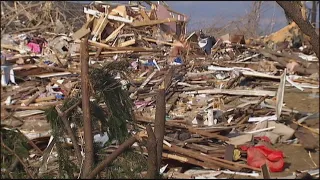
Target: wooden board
127	43
26	113
99	28
114	33
46	75
280	94
153	22
144	15
235	92
80	33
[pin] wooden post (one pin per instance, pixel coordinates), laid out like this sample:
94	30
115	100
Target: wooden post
88	138
265	172
160	123
152	172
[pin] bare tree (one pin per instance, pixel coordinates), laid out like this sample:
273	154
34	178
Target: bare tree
272	19
314	13
291	9
254	18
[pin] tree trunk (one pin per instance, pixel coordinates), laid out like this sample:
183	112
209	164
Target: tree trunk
88	138
291	10
314	13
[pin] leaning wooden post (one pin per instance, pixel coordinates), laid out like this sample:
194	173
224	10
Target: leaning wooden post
160	123
152	172
88	139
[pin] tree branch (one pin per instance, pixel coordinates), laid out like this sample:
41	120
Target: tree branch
23	164
291	10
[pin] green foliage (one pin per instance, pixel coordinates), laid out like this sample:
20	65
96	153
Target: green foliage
117	101
18	143
113	120
66	167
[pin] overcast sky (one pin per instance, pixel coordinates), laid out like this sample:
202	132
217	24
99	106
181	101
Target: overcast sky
213	11
208	12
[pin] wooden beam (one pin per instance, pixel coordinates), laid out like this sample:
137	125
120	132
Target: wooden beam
114	33
159	125
235	92
158	41
98	29
80	33
153	22
127	43
144	15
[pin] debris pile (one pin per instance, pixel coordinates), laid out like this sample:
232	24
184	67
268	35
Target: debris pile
132	28
31	16
223	112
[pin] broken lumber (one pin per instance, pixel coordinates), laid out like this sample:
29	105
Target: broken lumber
199	156
235	92
159	125
152	172
153	22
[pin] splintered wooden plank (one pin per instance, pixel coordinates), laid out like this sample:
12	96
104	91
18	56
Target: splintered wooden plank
96	24
235	92
89	21
114	33
26	113
135	49
121	10
144	15
171	102
153	22
80	33
84	30
143	84
120	19
280	94
265	172
229	152
158	41
46	75
99	28
127	43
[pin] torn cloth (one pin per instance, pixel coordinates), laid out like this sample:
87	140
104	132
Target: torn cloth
259	155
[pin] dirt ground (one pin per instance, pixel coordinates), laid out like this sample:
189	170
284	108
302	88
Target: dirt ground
296	157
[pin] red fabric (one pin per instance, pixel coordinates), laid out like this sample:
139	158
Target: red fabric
260	155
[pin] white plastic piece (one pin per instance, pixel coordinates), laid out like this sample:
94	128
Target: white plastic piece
210	117
102	139
264	118
163	169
